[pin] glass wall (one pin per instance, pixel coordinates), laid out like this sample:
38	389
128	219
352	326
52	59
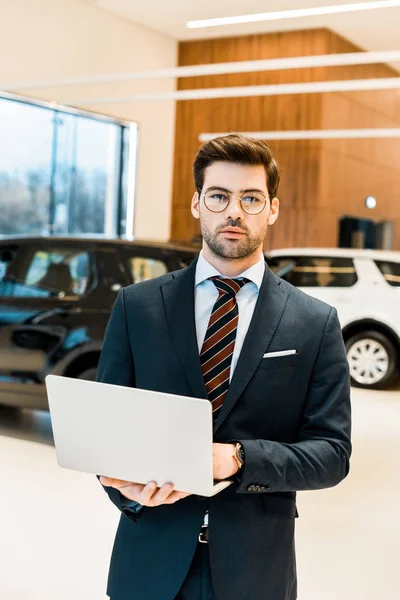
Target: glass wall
64	172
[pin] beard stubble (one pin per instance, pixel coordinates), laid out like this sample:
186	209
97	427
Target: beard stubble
235	248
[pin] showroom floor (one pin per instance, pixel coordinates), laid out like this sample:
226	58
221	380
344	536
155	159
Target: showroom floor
57	526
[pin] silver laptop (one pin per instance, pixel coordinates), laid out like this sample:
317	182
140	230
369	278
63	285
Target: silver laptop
132	434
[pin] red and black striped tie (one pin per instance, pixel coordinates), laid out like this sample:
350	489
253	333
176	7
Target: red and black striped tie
219	342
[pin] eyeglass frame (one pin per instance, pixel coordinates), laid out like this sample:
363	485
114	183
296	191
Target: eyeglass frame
231	196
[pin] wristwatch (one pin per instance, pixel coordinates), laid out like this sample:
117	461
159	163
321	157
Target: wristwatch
238	455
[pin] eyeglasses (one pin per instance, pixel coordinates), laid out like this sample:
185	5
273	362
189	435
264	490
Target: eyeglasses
252	203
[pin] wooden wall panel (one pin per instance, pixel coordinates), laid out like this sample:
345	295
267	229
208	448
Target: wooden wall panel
319	179
298	161
351	170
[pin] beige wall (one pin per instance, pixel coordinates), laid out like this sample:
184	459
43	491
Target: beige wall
42	40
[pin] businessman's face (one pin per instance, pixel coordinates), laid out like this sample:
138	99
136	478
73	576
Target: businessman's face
234	209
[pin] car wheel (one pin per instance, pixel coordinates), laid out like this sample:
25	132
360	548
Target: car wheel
89	374
372	360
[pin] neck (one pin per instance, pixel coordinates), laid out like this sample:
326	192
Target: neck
232	267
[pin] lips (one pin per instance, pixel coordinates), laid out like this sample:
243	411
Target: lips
232	230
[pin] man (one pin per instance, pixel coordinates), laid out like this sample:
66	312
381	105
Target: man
270	358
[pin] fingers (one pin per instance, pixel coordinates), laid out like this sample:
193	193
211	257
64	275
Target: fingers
146	495
154	496
108	481
128	489
171	497
116	483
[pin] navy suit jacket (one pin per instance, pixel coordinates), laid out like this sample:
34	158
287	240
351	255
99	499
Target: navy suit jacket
291	413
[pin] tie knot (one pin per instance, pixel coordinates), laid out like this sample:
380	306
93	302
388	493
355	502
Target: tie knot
225	285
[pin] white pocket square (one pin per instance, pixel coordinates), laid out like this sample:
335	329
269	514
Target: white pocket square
281	353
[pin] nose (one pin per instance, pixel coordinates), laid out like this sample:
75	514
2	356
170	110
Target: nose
234	210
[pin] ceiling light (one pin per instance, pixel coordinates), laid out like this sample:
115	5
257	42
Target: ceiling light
310	134
370	202
291	14
242	66
313	87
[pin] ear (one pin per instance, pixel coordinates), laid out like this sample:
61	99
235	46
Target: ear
274	211
195	206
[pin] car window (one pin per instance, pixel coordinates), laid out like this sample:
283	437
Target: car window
142	268
51	272
184	260
314	271
64	271
390	271
7	256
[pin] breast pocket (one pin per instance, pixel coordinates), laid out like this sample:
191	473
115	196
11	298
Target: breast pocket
279	362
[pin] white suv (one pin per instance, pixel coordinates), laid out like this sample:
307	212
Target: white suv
364	287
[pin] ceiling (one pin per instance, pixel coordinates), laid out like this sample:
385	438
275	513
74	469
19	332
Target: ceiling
371	29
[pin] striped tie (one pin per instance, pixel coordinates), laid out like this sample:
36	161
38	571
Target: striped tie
219	342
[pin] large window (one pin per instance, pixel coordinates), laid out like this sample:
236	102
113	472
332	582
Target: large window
25	161
63	172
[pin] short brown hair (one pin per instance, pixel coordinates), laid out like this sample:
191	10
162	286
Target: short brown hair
238	149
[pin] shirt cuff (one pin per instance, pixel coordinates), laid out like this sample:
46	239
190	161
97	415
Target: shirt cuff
130	506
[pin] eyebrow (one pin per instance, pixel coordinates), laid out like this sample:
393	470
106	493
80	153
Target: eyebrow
222	189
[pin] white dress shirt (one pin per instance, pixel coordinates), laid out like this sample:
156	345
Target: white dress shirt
206	294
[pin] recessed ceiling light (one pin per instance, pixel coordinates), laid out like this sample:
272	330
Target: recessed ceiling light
291	14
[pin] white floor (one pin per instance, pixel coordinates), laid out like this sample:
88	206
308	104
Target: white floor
57	526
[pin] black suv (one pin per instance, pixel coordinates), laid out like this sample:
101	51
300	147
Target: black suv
56	296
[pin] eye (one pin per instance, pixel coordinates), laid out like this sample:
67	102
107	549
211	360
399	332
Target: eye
219	196
251	199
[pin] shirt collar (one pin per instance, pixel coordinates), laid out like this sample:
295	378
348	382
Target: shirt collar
204	271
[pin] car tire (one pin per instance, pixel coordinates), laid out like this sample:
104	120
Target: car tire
89	374
383	372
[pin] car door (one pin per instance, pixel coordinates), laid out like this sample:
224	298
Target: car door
381	282
43	294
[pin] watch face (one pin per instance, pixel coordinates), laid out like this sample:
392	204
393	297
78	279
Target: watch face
240	453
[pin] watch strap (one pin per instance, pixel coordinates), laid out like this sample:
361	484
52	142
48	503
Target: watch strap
238	455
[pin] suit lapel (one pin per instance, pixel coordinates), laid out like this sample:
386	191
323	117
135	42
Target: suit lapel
267	314
178	296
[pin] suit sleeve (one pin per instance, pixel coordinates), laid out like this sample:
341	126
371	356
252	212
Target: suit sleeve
320	458
116	367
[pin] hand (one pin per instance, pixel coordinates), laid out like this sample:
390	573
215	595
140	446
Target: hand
224	464
146	495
